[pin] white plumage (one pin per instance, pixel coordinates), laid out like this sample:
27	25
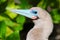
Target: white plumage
43	26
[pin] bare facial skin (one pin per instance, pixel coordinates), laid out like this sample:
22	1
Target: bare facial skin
34	17
43	25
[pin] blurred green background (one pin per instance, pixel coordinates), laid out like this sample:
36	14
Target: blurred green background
11	24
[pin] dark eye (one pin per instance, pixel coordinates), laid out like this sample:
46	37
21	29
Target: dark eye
35	12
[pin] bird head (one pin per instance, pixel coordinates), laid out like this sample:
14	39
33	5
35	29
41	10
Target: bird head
34	13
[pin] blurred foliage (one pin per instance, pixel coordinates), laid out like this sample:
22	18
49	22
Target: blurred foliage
12	23
1	1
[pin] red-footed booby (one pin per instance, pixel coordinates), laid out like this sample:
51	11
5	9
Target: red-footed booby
43	26
43	23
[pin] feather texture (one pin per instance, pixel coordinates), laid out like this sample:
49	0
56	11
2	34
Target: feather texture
43	26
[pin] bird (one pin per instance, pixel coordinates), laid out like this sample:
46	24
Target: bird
43	25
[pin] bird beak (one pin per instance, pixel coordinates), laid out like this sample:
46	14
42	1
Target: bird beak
27	13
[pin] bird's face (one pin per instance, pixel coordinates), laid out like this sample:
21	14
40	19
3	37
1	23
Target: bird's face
41	14
38	12
33	13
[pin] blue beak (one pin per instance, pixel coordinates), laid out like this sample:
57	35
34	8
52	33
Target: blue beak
27	13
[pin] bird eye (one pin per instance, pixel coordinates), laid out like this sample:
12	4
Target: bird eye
33	11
